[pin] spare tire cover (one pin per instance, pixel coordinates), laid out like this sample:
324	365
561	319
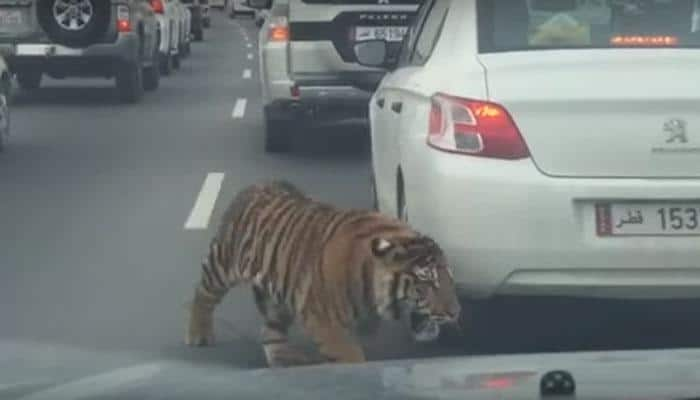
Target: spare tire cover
74	23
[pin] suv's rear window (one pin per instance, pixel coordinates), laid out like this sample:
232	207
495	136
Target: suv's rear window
557	24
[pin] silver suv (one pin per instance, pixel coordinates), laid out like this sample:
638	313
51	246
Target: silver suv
84	38
308	67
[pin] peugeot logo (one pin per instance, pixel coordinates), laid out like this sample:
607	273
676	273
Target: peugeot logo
676	130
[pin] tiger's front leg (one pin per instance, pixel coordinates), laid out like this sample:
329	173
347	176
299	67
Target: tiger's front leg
200	325
274	334
335	343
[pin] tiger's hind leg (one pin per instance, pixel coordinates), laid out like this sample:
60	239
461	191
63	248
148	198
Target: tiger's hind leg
274	333
212	288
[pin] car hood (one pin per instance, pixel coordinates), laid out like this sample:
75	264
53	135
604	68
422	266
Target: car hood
39	371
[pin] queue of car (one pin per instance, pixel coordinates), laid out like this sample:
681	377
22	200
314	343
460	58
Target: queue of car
542	143
133	42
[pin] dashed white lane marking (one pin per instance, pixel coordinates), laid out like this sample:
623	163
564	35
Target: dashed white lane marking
249	45
204	205
247	74
250	56
239	108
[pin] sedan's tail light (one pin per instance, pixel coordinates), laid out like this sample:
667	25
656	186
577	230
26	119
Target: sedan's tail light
279	30
158	6
474	127
123	20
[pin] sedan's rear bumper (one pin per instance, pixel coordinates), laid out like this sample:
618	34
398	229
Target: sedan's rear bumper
508	229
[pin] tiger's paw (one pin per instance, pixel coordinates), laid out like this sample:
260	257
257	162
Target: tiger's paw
285	356
200	330
195	339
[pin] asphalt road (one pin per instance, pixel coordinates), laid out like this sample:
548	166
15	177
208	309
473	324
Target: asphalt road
95	197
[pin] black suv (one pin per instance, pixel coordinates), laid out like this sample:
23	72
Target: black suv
82	38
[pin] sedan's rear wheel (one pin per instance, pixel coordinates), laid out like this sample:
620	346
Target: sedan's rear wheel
373	189
402	207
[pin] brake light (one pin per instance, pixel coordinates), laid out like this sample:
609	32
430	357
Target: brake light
644	41
157	6
123	20
474	127
279	30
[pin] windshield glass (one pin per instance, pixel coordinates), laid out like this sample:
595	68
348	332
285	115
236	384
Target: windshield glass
192	191
508	25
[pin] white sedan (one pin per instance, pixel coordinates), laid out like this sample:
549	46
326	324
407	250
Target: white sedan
551	147
169	19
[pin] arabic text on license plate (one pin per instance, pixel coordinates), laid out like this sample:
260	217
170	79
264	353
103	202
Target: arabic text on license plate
10	18
388	33
648	219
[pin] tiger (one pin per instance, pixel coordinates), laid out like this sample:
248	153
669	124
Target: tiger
335	271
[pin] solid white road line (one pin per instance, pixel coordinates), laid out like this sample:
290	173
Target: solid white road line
247	74
239	108
250	56
204	205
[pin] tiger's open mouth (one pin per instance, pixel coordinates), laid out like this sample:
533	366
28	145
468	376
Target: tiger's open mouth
423	327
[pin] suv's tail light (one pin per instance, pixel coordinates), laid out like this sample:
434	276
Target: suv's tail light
123	20
474	127
279	30
158	6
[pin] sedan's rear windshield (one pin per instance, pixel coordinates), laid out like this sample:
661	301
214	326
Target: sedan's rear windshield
509	25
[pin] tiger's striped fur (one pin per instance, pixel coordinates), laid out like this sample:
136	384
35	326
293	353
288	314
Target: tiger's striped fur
326	267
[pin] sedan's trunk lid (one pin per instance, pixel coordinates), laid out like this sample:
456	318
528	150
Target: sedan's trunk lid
603	113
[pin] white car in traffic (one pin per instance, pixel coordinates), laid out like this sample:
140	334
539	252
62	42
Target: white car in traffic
552	148
240	7
169	17
185	17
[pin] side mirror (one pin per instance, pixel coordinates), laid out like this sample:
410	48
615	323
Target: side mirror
259	4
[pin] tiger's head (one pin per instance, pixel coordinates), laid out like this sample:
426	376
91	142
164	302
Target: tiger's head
412	277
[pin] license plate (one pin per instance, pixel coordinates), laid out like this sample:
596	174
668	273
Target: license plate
388	33
648	219
10	19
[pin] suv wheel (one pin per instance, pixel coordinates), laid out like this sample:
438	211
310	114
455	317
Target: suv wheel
4	118
151	74
199	35
74	23
176	61
29	80
130	82
166	63
278	134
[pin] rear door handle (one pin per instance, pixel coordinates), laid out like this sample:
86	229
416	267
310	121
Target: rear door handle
380	103
397	107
